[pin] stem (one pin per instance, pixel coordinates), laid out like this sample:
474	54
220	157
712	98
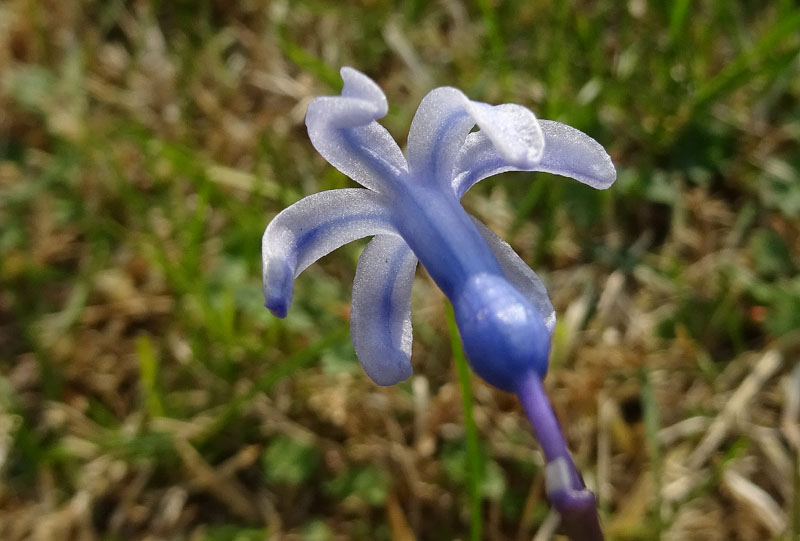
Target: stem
542	418
565	488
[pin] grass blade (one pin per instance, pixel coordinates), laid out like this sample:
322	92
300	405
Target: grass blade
652	424
740	70
309	62
294	363
470	429
494	36
677	20
148	375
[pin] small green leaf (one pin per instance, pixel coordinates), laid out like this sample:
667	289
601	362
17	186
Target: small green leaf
316	530
289	461
494	482
770	253
31	86
368	485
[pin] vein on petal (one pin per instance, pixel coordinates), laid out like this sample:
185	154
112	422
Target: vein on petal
310	229
344	131
380	319
443	122
567	152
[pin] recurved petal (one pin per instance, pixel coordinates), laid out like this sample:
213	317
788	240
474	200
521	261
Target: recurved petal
520	275
343	129
443	122
572	153
567	152
311	228
380	320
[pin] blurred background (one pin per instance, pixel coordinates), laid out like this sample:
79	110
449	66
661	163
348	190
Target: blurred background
145	393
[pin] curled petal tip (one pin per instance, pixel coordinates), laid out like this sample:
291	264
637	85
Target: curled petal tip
608	174
311	228
277	304
603	172
359	86
344	131
278	287
278	307
442	125
394	369
515	133
572	153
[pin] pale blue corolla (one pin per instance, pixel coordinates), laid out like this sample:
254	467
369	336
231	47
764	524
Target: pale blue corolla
410	205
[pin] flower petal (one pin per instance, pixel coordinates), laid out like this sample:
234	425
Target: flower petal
311	228
520	275
572	153
380	320
567	152
445	118
343	129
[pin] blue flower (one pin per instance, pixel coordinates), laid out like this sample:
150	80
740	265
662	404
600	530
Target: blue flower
410	205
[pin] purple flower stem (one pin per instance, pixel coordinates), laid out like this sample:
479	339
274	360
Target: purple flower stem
565	487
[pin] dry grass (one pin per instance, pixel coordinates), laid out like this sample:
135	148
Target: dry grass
146	394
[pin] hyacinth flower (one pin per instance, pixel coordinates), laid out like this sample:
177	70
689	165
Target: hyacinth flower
410	205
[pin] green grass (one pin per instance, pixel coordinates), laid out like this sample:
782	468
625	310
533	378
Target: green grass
144	389
474	462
